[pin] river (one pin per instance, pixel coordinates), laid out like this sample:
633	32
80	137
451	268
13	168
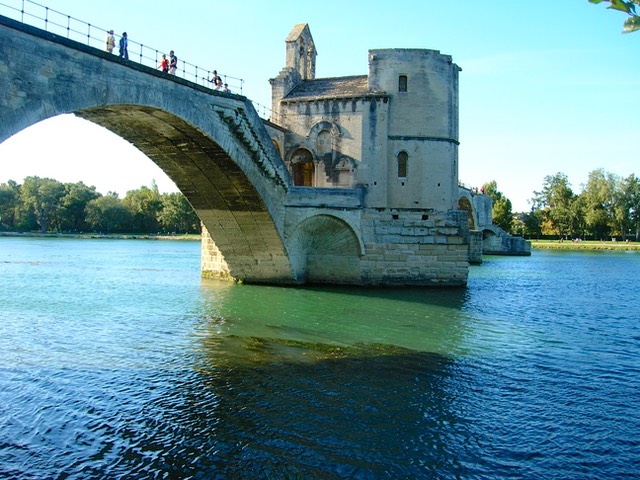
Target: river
118	361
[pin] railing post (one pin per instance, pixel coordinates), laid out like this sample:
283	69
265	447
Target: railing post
68	25
88	34
46	18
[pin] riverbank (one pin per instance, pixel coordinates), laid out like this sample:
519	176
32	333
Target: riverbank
121	236
583	245
535	244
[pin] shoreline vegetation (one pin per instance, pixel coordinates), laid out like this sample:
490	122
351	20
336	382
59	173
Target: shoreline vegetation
535	244
120	236
590	245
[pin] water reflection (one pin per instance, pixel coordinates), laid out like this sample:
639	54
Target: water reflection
327	412
331	383
429	320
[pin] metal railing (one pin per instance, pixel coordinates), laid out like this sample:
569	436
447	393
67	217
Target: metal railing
45	18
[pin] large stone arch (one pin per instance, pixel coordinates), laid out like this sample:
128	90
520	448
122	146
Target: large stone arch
212	145
325	249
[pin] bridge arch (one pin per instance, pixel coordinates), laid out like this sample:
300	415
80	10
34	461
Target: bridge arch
211	144
466	202
326	249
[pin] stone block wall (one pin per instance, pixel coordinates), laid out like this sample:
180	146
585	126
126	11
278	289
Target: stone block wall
475	247
212	263
414	247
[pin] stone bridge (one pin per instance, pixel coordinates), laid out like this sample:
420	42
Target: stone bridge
258	227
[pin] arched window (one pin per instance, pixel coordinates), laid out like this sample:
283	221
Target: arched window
323	143
402	83
302	168
403	159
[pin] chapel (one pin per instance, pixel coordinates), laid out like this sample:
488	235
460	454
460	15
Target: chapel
392	132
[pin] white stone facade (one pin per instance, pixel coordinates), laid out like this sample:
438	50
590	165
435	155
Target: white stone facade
391	134
393	131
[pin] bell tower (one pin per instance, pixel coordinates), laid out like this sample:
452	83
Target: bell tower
300	65
301	52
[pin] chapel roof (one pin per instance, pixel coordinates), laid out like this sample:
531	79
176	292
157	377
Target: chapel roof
296	32
336	87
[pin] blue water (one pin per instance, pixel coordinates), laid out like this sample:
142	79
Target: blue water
118	361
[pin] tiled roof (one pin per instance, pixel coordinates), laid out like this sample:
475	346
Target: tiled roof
295	33
338	87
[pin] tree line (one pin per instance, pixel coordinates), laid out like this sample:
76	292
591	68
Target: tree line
50	206
607	207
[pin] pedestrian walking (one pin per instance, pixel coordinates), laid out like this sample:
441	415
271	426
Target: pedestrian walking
110	41
164	63
124	46
173	63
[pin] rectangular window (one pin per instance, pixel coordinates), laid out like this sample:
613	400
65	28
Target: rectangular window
402	83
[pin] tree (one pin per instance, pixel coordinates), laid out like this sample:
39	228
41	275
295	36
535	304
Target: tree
9	201
555	200
144	205
73	206
42	197
630	187
599	200
632	23
107	214
501	212
177	214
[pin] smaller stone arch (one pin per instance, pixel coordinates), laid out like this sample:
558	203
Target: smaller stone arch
325	249
465	204
331	127
467	201
325	137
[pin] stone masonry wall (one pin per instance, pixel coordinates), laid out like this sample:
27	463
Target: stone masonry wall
414	247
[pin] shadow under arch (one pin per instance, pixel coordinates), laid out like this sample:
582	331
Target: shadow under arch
325	249
227	202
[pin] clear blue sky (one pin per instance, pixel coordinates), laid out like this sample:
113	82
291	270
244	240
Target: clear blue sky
546	86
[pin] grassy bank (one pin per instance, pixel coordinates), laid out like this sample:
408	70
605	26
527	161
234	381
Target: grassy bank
125	236
584	245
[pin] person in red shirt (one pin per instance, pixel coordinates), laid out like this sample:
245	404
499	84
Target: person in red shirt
164	64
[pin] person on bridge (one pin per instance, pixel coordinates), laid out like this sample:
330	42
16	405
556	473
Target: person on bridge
173	63
110	41
124	46
216	80
164	63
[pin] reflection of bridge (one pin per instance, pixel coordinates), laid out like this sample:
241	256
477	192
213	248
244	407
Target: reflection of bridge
258	227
